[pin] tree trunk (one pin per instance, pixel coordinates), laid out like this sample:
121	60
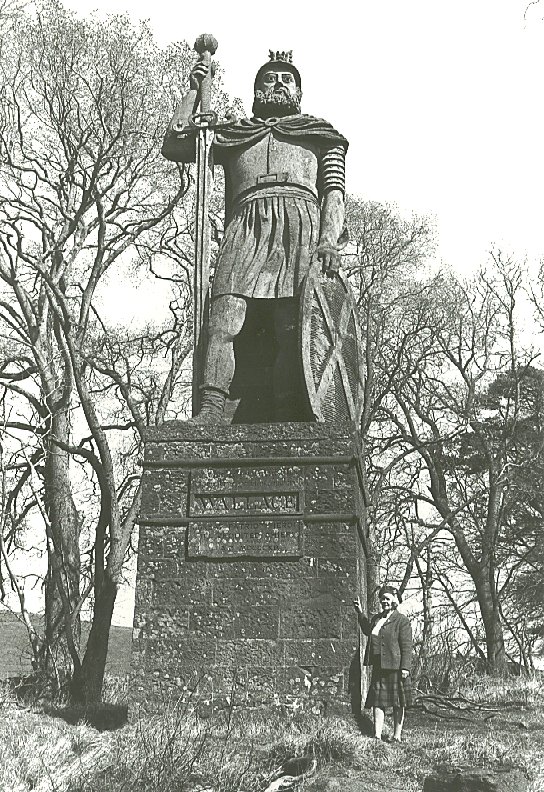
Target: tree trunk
426	579
494	639
62	626
87	683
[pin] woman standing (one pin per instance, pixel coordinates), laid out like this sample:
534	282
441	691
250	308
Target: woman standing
389	652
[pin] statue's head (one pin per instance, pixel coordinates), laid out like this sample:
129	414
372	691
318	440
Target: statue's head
277	87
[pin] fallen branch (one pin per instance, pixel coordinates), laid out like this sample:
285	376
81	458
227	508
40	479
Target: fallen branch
451	706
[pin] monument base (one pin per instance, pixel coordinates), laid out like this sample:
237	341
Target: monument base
249	558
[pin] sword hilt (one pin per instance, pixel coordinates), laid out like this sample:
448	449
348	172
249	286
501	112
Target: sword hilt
203	120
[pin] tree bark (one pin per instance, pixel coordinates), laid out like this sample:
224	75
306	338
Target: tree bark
426	579
87	682
62	622
494	638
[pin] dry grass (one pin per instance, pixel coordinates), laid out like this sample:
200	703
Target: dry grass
523	690
235	751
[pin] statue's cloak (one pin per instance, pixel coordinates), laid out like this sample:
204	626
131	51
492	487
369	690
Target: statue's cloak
270	239
301	128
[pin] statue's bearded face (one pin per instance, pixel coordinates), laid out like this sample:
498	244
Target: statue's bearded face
276	93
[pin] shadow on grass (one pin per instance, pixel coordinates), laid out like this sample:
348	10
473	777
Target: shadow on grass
364	723
35	692
103	717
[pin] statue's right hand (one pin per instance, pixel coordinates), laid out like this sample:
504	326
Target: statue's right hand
197	74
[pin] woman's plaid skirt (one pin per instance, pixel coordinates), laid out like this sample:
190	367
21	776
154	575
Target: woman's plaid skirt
388	688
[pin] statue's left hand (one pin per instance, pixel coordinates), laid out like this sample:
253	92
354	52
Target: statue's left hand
330	259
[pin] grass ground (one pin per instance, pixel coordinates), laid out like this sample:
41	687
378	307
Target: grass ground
237	750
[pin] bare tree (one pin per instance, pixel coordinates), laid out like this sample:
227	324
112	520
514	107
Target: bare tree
84	190
462	338
383	260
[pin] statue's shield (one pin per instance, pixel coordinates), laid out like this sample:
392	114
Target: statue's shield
331	348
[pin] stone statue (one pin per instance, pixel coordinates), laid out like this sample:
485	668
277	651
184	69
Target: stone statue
284	209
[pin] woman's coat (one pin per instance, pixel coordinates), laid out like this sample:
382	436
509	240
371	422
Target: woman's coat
395	641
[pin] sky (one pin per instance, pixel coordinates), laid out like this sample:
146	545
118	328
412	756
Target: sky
441	100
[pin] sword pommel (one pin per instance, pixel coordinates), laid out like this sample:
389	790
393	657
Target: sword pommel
206	43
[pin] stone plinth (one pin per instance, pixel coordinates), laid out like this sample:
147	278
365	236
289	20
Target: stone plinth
249	559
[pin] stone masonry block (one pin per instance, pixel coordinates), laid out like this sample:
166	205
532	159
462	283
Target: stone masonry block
156	689
181	593
294	448
175	449
315	681
158	568
324	601
254	652
174	540
151	541
264	685
164	492
235	592
315	622
344	477
319	652
229	687
342	569
328	501
257	622
181	655
174	431
144	594
212	621
350	625
319	477
338	591
157	623
299	569
332	540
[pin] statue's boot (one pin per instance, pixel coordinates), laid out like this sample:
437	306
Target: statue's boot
212	405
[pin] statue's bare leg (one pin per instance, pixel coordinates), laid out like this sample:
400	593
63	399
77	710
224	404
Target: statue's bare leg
286	377
227	316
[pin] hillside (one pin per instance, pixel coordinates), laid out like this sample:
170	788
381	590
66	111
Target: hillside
15	652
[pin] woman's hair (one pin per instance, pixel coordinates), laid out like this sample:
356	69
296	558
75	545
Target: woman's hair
387	589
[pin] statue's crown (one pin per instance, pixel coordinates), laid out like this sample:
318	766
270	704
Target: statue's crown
281	55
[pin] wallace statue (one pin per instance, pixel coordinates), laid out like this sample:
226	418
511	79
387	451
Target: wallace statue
284	213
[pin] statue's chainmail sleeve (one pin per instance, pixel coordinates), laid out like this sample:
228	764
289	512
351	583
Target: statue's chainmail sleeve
332	171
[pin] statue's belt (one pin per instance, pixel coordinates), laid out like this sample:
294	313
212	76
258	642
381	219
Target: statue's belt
274	188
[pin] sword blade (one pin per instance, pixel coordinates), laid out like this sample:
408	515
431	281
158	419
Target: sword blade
204	186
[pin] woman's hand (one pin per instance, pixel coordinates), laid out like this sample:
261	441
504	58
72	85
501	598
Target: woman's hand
404	673
357	605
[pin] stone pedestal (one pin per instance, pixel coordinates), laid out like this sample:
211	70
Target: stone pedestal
249	558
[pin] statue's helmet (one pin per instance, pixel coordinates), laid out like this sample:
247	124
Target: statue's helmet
282	59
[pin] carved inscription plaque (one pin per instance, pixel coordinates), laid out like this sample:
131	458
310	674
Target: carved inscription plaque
240	491
245	512
224	539
209	503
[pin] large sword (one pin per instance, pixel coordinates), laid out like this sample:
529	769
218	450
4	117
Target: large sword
203	121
